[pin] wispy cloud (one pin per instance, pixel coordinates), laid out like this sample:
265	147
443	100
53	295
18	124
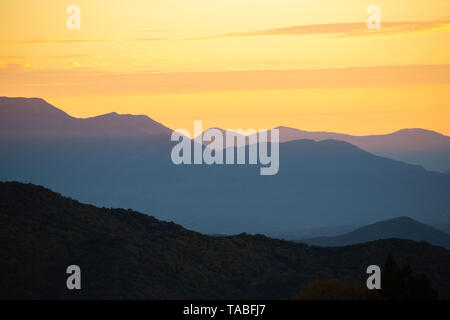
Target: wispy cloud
155	30
44	41
31	41
88	81
150	39
342	29
55	57
12	57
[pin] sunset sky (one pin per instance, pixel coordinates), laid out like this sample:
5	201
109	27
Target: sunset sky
308	64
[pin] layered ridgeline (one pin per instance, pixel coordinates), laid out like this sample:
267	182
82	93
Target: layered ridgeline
114	162
401	228
125	254
25	118
427	148
416	146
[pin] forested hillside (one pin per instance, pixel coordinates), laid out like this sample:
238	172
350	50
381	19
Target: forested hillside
125	254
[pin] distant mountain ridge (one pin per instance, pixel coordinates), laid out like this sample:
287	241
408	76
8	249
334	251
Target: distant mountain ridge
416	146
320	184
401	228
35	118
406	138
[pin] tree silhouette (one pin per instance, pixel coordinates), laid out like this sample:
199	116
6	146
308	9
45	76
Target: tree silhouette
400	284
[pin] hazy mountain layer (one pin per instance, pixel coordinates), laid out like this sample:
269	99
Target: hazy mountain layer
401	228
416	146
319	185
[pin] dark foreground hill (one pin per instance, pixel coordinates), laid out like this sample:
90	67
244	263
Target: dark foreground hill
125	254
401	228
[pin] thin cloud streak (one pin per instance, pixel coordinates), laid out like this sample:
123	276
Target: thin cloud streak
342	29
56	41
196	82
77	40
353	29
149	39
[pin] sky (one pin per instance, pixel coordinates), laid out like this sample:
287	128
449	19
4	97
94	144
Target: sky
308	64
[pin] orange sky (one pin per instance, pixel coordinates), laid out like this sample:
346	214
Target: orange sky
308	64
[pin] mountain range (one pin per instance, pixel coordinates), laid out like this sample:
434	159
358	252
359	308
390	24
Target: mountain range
427	148
401	228
22	118
33	117
123	254
112	161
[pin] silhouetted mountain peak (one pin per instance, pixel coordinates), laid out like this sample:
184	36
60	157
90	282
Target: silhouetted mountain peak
127	124
400	227
416	146
284	129
323	146
111	115
399	220
417	131
34	117
398	223
29	107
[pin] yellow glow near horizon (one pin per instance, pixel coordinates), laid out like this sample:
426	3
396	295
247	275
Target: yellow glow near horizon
103	67
307	109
